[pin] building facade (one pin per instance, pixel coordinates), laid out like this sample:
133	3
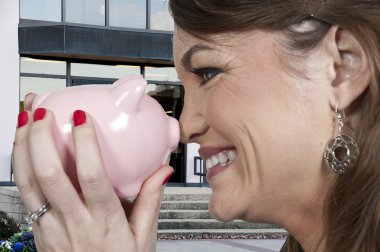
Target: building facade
55	44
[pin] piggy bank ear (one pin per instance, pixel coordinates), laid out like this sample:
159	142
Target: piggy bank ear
128	91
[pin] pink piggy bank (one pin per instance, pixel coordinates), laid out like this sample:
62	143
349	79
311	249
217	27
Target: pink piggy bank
134	133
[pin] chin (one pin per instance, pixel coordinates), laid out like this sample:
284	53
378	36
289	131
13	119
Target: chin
222	209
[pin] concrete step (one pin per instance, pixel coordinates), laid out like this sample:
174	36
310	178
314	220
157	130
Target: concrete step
187	194
184	214
186	197
185	205
180	234
224	231
209	224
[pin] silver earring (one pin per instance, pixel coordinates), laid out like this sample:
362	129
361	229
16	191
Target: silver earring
341	152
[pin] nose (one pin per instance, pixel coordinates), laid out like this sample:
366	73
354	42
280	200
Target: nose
192	121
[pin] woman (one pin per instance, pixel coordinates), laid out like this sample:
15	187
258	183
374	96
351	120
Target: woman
274	90
270	82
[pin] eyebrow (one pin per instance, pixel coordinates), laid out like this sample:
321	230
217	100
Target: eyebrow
187	56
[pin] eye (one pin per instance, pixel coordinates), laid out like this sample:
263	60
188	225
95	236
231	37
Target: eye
206	74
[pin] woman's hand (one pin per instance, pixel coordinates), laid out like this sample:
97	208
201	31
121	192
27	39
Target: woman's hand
94	220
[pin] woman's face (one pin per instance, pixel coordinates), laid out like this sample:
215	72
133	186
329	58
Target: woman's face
262	126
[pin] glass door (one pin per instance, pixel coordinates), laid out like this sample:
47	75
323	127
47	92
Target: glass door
170	96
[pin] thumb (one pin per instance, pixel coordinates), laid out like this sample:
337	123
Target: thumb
144	216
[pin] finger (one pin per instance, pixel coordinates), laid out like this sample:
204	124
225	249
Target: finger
97	189
47	166
28	101
144	216
27	185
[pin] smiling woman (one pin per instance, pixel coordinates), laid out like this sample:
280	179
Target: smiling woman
268	84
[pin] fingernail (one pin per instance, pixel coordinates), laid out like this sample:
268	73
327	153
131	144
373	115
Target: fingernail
39	114
79	117
167	178
22	119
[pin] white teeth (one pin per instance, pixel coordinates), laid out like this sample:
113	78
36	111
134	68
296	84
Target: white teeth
222	158
231	155
214	160
208	164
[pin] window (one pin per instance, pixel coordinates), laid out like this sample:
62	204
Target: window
161	74
85	11
39	85
37	66
170	97
160	18
46	10
103	71
39	76
127	13
119	13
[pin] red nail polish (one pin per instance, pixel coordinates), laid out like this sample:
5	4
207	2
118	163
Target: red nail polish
79	117
22	119
167	178
39	114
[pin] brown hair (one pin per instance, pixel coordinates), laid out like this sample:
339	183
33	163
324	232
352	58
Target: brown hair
353	207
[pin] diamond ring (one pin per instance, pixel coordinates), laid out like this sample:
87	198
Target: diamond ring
33	217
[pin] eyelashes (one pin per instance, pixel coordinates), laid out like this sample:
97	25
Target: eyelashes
205	74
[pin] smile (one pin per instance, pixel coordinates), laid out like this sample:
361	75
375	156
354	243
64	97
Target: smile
222	158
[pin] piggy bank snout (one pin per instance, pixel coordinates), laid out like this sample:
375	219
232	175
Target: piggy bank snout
173	133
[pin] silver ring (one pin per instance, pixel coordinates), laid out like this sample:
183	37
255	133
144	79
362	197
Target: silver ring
33	217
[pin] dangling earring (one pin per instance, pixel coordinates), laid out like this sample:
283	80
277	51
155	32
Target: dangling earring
341	152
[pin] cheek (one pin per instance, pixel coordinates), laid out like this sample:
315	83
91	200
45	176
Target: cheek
226	104
267	116
247	101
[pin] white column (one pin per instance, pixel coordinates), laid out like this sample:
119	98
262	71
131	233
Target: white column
9	82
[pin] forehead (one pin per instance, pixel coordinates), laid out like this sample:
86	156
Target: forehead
239	44
183	40
188	49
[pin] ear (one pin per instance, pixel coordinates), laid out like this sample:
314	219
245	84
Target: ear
352	73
